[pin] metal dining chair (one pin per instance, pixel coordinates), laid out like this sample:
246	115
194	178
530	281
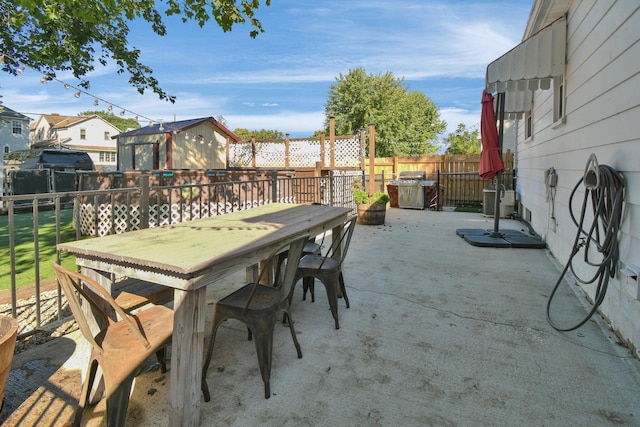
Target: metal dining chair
119	347
257	305
328	269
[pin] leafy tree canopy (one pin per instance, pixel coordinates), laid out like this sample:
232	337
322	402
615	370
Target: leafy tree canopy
463	141
407	123
259	135
120	122
57	35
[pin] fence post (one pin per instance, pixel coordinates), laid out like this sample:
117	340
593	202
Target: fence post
286	152
438	191
274	186
144	201
332	177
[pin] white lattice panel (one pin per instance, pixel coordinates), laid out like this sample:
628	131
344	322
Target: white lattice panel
120	218
302	153
104	219
87	220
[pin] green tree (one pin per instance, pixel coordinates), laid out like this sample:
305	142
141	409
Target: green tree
260	135
463	141
407	123
120	122
57	35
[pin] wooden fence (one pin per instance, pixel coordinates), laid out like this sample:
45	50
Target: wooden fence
444	163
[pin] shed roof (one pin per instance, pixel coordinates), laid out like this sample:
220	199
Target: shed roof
179	126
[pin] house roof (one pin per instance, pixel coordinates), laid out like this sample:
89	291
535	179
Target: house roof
58	121
179	126
8	113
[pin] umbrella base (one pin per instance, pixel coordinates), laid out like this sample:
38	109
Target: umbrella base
501	239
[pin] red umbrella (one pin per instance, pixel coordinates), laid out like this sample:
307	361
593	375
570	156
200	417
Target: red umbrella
490	159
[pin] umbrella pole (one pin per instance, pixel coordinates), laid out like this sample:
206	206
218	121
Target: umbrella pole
496	211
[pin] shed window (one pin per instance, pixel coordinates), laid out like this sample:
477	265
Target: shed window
83	134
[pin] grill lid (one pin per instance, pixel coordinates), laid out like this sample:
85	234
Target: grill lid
419	175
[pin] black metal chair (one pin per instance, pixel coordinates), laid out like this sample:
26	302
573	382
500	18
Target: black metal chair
257	306
119	347
328	269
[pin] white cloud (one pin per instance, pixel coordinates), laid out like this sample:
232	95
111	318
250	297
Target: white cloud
455	116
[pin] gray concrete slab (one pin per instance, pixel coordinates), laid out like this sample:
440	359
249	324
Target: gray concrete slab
439	333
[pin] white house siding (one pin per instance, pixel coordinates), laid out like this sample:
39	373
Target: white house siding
602	117
66	131
94	142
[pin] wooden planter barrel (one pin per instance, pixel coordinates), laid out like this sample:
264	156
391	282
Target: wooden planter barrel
8	333
371	214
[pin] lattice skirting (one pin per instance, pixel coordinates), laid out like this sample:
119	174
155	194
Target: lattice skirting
115	219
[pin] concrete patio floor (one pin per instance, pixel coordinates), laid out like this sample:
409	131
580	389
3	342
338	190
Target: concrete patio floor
439	333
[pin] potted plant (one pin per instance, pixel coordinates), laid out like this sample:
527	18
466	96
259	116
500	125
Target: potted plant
372	207
8	334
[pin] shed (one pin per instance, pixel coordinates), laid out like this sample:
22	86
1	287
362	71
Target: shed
185	144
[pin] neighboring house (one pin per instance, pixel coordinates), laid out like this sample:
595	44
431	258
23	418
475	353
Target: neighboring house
186	144
92	134
14	134
582	60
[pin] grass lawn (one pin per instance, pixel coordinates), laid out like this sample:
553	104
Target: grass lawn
25	250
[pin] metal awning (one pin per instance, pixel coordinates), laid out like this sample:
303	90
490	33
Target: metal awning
529	66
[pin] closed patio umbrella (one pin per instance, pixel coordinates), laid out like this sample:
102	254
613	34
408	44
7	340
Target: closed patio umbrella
491	166
490	158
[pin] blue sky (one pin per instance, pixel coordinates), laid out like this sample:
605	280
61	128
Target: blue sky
281	79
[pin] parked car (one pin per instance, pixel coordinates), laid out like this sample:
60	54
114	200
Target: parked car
48	158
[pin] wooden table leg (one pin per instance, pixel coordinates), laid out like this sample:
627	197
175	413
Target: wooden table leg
187	348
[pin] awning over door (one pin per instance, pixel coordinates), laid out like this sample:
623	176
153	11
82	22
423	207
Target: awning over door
529	66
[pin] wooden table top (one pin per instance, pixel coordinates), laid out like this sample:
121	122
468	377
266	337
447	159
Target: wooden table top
187	249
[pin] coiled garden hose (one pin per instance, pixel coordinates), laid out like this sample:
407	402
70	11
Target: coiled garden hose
604	186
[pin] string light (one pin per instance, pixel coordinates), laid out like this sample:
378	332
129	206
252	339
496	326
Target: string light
96	99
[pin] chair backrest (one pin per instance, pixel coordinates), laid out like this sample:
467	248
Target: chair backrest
340	246
74	285
286	283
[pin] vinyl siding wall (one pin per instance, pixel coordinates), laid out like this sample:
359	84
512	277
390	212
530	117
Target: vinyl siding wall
602	86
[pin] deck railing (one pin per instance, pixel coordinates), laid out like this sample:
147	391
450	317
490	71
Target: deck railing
58	217
31	242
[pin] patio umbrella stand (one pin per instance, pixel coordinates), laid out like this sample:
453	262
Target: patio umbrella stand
491	166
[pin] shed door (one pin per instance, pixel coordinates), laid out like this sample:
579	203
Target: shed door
146	157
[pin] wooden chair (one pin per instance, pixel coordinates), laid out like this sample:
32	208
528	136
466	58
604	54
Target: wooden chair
257	306
328	269
118	347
